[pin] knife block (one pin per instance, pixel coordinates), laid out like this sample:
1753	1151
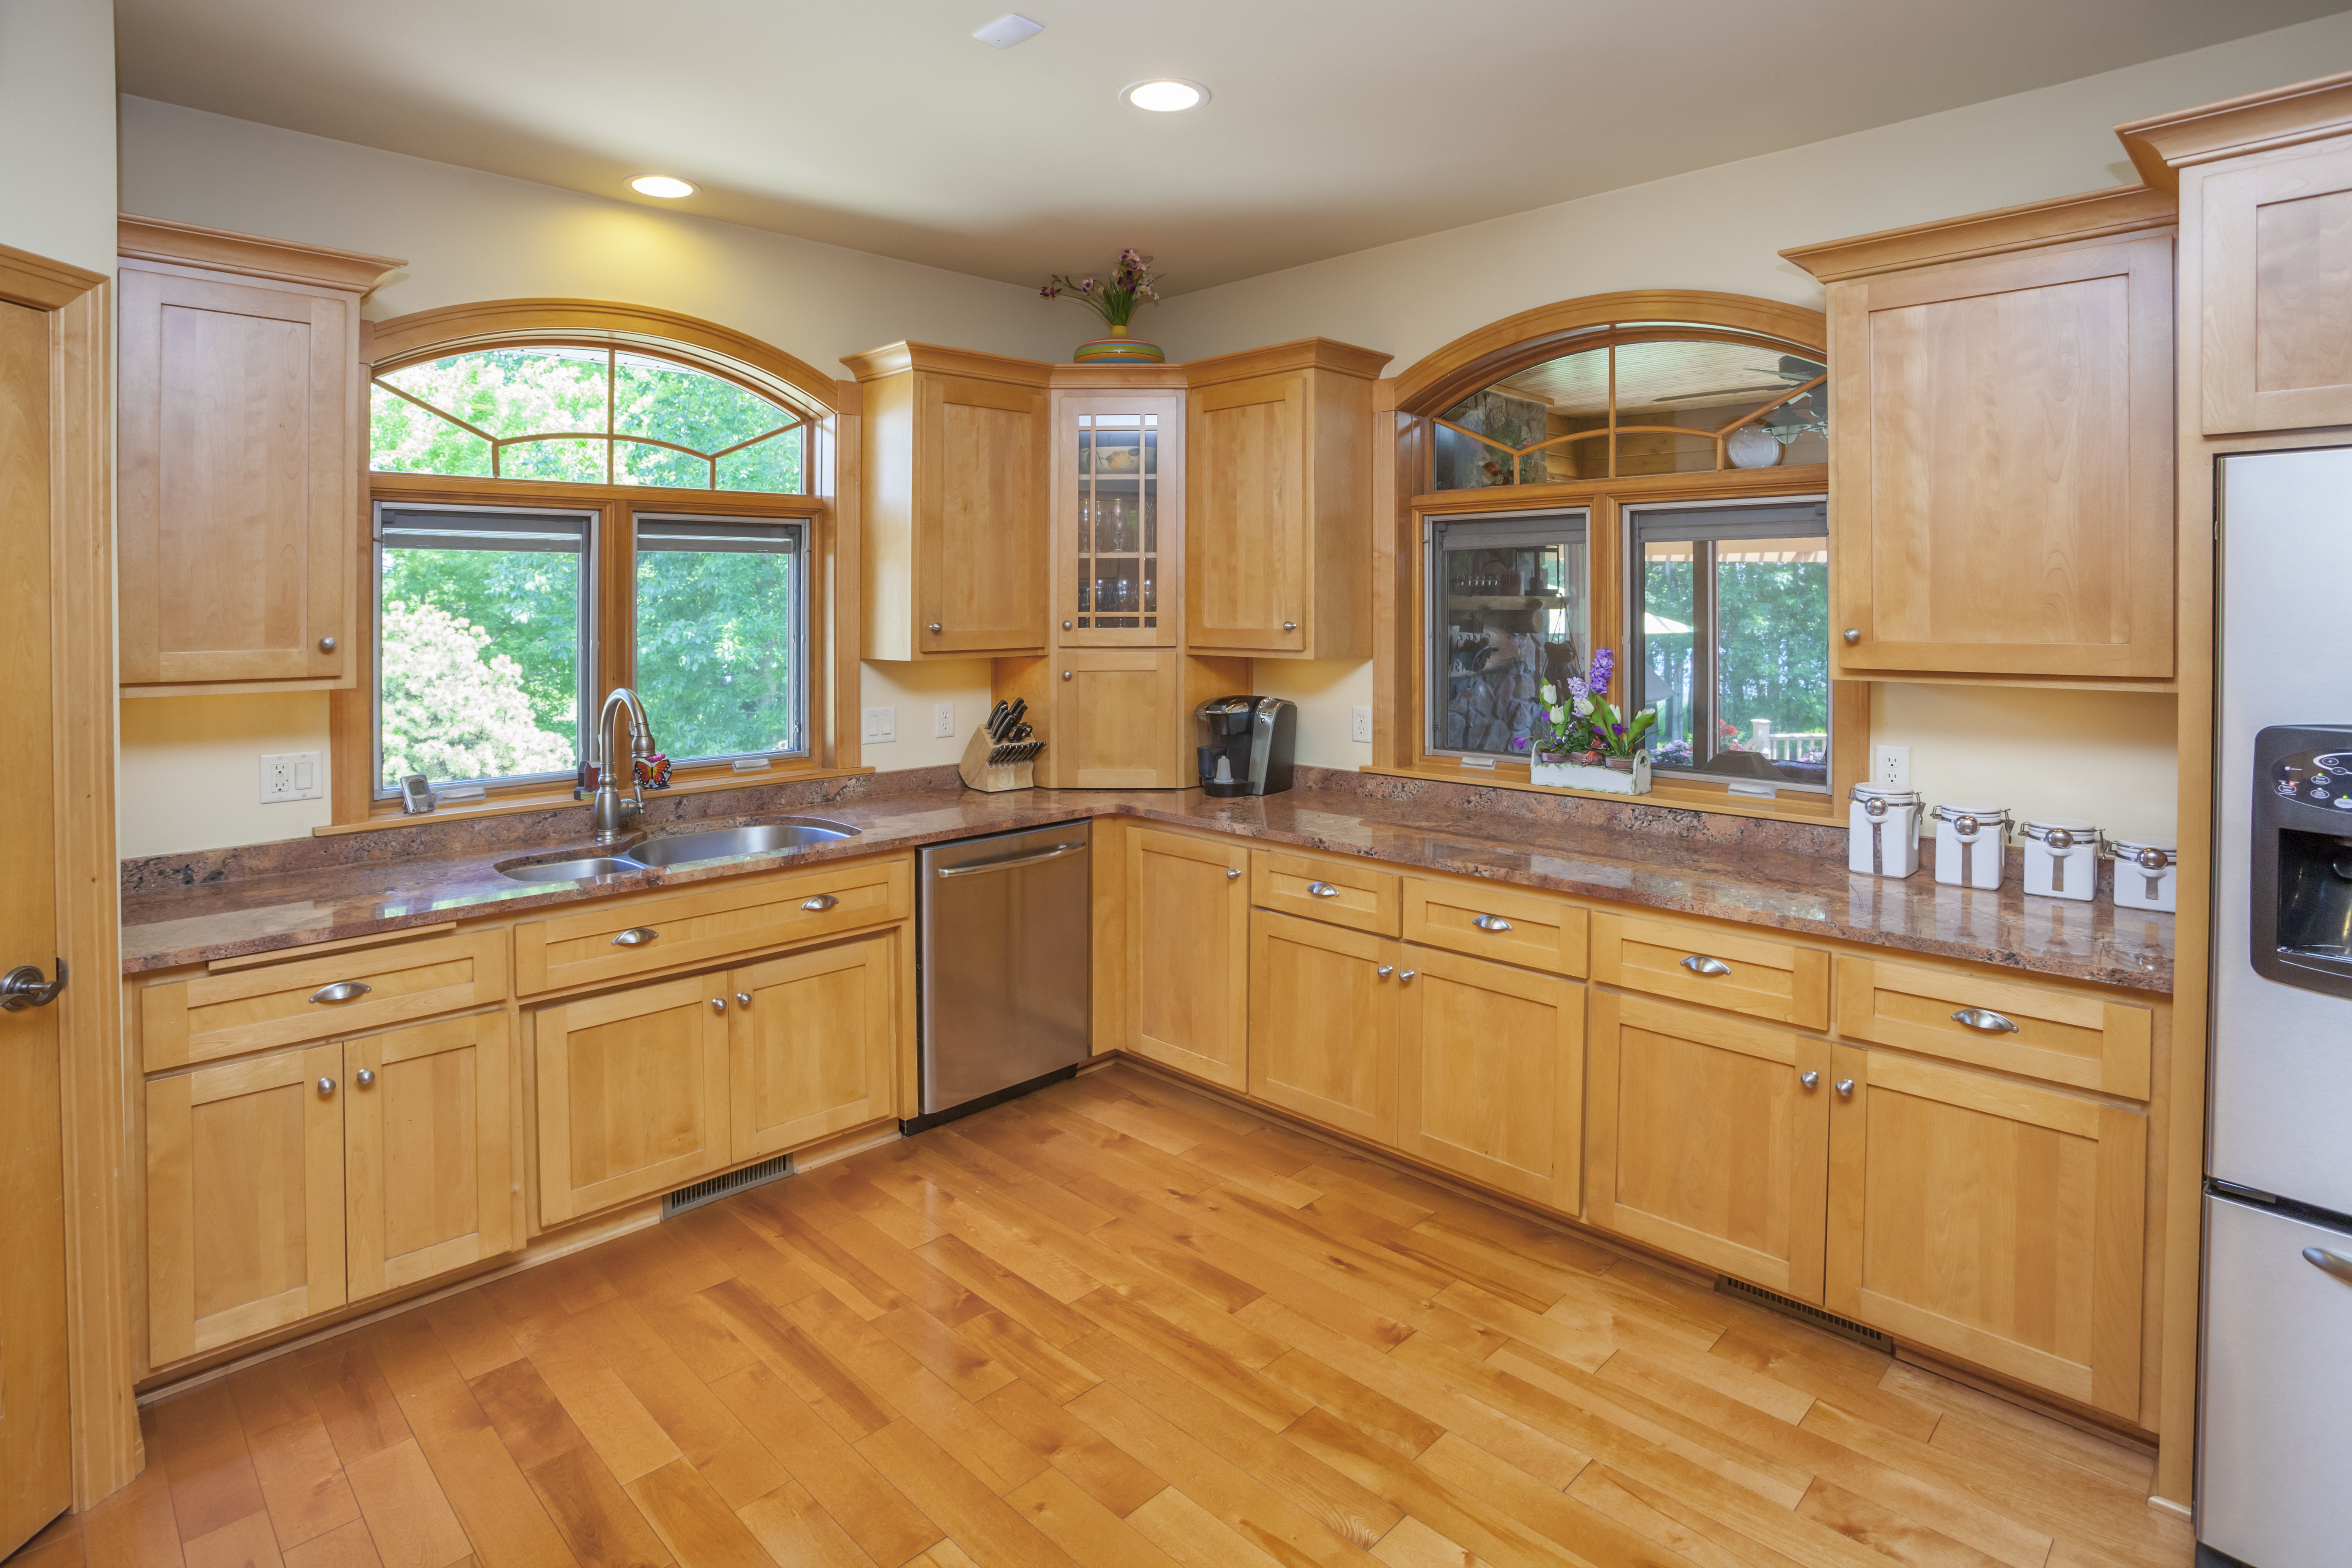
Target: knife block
979	774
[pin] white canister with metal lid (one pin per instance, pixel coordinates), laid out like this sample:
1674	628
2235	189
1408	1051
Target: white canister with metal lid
1882	836
1972	844
2145	872
2062	858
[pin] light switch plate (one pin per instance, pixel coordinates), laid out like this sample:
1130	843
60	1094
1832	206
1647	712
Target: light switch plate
881	726
943	720
291	776
1890	767
1363	729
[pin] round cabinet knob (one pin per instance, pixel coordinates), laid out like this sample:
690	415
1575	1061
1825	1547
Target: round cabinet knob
365	1078
1290	626
1385	970
1852	634
1845	1088
1065	626
935	628
1065	675
1404	976
1231	872
718	1003
1809	1080
326	645
326	1087
742	998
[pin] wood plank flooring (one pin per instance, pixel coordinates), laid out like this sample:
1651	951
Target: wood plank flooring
1112	1323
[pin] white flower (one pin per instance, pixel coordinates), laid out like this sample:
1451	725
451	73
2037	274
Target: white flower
1584	706
1550	693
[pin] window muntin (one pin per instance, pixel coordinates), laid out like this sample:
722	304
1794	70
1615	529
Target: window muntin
1729	625
583	414
722	634
1510	610
1659	398
483	639
1119	520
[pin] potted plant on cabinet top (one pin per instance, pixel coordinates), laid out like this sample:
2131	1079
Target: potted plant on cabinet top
1591	745
1131	283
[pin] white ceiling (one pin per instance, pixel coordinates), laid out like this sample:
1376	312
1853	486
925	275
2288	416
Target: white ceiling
1335	124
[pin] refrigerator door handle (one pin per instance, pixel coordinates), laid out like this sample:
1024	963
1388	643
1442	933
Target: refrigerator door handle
2332	1264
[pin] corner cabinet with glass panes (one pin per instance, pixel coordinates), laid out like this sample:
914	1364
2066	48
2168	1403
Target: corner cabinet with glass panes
1118	508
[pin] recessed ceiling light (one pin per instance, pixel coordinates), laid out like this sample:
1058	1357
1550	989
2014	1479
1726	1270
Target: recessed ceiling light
1166	95
1008	31
660	186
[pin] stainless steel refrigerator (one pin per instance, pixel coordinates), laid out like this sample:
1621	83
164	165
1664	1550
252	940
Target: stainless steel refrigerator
2275	1454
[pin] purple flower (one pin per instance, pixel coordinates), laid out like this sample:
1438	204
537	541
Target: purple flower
1050	291
1604	666
1616	729
1085	286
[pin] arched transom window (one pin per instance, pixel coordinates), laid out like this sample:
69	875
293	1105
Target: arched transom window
584	413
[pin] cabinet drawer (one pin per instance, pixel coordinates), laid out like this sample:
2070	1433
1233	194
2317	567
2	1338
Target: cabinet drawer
227	1015
728	919
2063	1036
1761	976
1526	929
1337	892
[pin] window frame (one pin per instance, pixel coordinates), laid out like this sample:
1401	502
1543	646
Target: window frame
1534	523
804	597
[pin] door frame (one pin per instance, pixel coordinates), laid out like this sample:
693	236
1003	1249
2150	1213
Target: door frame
95	1109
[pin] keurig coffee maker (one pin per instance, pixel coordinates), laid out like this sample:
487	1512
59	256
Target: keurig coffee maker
1247	743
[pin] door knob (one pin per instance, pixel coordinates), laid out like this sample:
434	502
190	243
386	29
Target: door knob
1404	976
326	1088
23	987
1852	634
742	998
326	645
1809	1080
1845	1088
1065	675
718	1003
364	1077
1231	872
1065	626
1290	626
1385	970
935	628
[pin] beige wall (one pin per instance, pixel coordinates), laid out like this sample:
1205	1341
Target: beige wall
56	119
2088	755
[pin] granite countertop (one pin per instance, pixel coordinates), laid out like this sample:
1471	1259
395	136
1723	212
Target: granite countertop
191	909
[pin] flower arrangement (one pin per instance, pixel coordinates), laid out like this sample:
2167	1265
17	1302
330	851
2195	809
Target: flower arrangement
1586	727
1131	283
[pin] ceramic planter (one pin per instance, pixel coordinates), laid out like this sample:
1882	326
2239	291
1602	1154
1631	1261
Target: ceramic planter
1598	777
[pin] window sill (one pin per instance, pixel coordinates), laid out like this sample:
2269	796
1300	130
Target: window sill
388	813
1674	794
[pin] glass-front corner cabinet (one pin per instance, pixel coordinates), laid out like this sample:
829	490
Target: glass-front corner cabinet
1509	609
1118	511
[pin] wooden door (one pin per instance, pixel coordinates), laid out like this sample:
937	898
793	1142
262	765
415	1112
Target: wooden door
980	514
431	1171
1490	1073
1188	953
237	418
633	1091
1116	716
1990	1220
1118	523
1705	1140
34	1478
245	1199
2001	481
812	1039
1323	1023
1246	550
2277	251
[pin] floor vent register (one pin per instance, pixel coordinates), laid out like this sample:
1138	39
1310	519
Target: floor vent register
717	1187
1804	1313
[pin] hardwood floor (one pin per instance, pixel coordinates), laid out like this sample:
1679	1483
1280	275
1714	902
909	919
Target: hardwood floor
1111	1323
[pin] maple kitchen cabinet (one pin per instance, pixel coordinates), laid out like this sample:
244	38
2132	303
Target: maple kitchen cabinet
1323	1023
242	441
955	448
1188	959
1490	1073
812	1038
2000	452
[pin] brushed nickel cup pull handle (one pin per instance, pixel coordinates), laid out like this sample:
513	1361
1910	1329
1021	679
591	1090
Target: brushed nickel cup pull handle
635	936
742	998
1700	963
341	991
1323	889
364	1077
1852	634
1845	1088
819	904
1985	1020
326	1088
1491	924
1809	1080
1385	970
1231	872
718	1003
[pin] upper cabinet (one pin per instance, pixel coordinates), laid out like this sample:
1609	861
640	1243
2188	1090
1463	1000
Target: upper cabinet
1278	546
242	442
2001	471
1118	517
956	489
2265	192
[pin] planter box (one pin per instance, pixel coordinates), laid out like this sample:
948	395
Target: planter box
1599	779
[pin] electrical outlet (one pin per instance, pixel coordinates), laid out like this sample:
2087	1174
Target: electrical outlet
1890	767
1363	724
291	776
881	726
943	720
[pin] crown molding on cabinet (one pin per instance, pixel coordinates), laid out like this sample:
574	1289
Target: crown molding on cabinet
41	284
2282	117
1303	353
2093	215
892	358
281	260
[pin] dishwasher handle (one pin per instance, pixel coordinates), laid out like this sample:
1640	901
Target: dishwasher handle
1054	853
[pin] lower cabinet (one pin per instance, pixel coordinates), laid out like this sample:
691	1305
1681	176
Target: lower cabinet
1706	1141
1490	1073
1990	1219
430	1171
811	1047
1323	1023
1188	921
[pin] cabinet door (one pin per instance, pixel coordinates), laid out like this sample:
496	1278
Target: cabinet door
1246	548
1705	1141
814	1037
1993	1221
1188	953
1118	517
1115	722
1322	1024
979	511
2277	292
632	1094
1490	1066
239	420
2000	471
430	1171
245	1199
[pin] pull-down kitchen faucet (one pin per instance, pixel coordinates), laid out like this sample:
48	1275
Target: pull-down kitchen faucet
609	811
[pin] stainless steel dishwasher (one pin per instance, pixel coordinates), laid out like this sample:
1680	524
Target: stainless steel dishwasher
1006	966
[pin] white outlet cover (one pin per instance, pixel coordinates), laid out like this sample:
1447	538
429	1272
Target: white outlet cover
1890	767
1363	729
291	776
881	726
943	720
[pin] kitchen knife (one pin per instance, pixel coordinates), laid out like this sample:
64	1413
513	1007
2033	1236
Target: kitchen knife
995	718
1020	707
1022	734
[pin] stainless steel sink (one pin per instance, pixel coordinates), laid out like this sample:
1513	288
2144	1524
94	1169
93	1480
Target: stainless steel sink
758	838
571	870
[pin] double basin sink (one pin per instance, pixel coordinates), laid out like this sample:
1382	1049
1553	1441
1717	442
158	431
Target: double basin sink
776	835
